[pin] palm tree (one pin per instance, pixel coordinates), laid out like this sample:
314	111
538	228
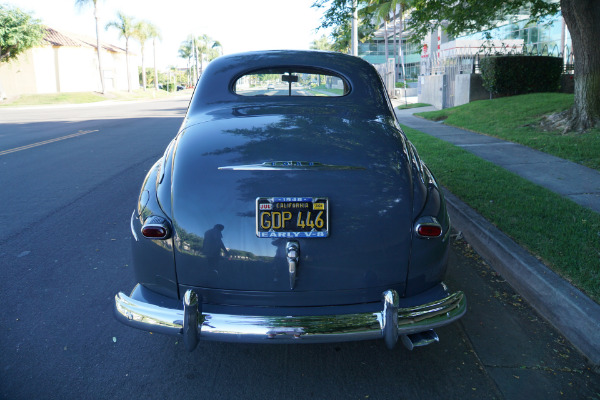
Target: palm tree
218	45
124	25
381	10
80	4
141	32
186	52
320	44
404	6
205	46
387	10
154	34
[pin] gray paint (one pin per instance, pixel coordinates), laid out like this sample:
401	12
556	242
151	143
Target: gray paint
372	208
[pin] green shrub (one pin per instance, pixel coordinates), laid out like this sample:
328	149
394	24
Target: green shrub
512	75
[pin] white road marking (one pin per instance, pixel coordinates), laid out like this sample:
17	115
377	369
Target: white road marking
30	146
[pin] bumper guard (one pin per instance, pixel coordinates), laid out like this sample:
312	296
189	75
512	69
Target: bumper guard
389	324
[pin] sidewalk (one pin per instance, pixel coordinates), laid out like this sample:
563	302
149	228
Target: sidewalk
571	180
575	315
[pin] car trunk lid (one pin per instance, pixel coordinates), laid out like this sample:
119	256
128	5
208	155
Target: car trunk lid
358	165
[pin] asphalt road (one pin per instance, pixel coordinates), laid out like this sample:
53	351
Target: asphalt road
69	179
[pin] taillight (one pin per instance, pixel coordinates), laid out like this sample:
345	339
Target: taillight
156	228
428	227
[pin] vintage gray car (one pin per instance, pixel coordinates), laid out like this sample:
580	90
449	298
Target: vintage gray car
290	208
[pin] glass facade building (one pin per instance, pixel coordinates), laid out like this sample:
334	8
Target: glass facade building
374	52
544	37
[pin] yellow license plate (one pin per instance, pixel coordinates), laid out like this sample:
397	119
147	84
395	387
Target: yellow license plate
292	217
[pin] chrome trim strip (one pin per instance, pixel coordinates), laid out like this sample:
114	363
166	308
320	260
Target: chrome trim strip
289	165
286	329
190	320
292	249
390	318
148	317
133	232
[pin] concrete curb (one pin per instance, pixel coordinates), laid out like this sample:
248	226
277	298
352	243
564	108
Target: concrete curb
570	311
92	104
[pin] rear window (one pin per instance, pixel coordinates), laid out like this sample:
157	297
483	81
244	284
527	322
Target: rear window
291	82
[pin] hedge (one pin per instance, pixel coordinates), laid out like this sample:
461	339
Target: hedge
512	75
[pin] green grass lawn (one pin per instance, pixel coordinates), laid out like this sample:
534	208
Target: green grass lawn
86	97
325	89
413	105
516	118
564	235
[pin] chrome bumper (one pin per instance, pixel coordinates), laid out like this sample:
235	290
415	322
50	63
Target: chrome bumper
389	324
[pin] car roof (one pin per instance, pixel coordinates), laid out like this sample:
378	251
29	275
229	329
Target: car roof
215	88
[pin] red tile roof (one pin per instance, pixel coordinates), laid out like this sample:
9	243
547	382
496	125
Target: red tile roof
56	38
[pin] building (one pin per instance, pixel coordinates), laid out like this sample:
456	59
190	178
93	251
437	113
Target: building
437	53
67	62
373	51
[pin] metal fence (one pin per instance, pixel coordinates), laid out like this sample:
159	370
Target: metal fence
467	61
387	72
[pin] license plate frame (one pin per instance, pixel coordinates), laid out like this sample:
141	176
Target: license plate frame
292	217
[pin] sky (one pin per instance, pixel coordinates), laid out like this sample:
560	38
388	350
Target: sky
239	25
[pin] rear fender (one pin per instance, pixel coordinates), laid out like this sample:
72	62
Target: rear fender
154	263
429	256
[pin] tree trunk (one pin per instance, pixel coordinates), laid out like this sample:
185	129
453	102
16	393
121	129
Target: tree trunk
155	70
354	29
402	53
98	49
583	20
196	76
127	63
143	69
385	40
2	94
394	44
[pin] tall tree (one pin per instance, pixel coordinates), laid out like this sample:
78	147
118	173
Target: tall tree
18	32
320	44
582	17
354	29
81	4
394	10
219	47
342	36
205	46
141	32
583	20
186	51
124	24
154	35
339	15
403	6
382	11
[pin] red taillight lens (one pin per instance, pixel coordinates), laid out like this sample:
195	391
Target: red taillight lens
428	227
154	232
156	228
429	230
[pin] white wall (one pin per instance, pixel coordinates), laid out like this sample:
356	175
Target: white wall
78	69
430	90
44	70
66	69
18	76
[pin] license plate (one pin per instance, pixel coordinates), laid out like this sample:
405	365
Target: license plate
292	217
